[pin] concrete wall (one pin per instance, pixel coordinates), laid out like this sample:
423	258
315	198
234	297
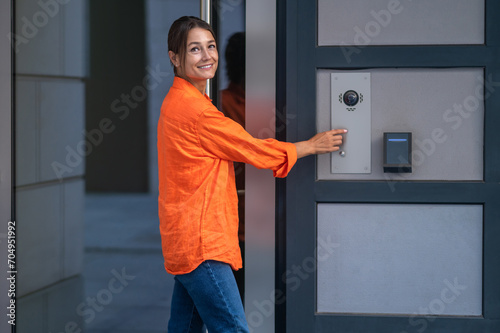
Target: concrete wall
50	150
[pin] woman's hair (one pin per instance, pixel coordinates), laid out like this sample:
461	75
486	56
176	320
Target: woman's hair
178	34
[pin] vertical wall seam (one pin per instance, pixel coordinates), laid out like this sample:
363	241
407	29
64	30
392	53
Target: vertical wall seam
45	320
38	132
62	229
62	35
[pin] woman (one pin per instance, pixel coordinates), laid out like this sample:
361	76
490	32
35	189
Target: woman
197	195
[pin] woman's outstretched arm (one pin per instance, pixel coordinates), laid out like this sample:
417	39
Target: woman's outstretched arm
321	143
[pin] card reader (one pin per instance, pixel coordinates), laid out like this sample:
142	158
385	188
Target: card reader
397	152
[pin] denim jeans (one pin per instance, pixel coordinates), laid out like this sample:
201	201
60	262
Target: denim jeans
208	295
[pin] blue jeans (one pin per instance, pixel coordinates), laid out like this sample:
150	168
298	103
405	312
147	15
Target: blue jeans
208	295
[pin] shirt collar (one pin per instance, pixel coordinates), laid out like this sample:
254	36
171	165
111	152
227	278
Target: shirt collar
180	83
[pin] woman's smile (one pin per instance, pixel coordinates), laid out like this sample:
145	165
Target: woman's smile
206	66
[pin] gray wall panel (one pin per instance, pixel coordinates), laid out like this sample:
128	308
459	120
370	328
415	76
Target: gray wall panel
394	22
62	110
40	52
53	309
74	200
396	259
75	38
50	94
39	237
27	152
443	108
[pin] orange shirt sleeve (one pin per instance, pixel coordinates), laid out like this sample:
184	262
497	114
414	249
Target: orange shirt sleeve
221	137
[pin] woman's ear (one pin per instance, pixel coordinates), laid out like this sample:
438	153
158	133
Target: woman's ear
173	58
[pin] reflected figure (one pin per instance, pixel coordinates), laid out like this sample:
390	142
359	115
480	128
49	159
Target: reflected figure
233	106
233	97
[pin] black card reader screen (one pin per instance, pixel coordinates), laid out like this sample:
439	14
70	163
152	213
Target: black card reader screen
397	148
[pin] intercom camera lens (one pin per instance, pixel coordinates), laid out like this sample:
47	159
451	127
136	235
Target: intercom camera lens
351	98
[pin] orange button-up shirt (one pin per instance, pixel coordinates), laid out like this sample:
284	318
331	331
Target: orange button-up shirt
197	203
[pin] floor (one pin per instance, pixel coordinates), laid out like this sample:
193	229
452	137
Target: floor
125	284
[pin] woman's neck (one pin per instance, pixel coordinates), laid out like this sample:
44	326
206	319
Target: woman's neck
200	85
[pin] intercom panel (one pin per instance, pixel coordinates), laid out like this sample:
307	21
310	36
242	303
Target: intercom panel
351	109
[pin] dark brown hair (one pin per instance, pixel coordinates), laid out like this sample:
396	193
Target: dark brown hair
178	34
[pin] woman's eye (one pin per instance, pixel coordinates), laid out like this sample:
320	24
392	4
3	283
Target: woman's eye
195	49
212	46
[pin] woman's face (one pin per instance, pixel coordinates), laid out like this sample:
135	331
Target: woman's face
201	57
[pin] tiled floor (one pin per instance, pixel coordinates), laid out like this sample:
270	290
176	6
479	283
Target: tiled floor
126	287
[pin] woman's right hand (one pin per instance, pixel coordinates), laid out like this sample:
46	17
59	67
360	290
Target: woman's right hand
321	143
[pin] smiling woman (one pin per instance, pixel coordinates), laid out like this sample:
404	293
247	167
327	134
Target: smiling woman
198	202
